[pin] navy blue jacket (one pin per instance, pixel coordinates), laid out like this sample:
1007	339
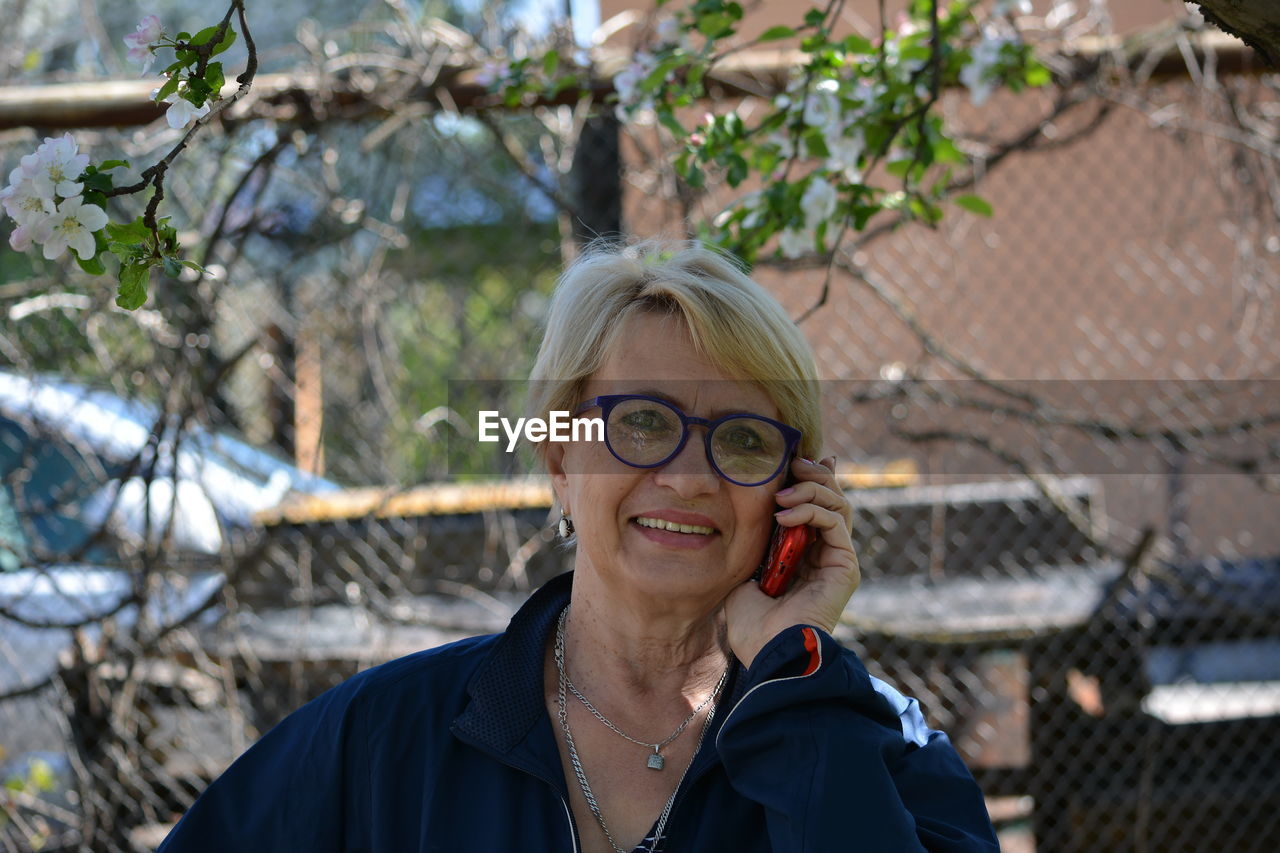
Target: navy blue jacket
451	750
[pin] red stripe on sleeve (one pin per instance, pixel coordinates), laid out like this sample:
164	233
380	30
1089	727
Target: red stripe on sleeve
811	645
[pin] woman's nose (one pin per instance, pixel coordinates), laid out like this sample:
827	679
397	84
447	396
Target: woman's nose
689	472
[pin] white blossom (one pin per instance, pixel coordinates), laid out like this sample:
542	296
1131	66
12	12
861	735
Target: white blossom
753	203
55	167
669	31
794	242
985	56
1062	11
492	71
23	201
898	67
818	202
822	108
139	42
865	94
627	83
72	226
181	112
22	237
844	152
785	143
1003	7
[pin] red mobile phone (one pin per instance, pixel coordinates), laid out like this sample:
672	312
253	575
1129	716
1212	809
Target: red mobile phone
786	550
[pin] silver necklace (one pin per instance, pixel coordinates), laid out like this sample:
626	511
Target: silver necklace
577	764
655	761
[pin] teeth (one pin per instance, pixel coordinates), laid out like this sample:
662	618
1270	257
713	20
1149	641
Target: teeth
659	524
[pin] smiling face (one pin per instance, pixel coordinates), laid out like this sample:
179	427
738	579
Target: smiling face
678	531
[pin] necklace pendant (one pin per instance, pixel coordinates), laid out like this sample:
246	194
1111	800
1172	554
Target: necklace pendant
656	761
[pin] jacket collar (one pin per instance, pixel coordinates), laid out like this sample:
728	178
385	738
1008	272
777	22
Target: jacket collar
506	691
507	715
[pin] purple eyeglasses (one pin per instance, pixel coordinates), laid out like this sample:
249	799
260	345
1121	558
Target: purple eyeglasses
648	432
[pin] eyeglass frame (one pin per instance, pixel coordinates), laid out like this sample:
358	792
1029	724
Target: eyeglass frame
607	402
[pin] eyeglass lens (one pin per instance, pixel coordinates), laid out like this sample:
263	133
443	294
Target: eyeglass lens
647	433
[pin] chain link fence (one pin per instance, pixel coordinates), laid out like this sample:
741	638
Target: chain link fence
1057	428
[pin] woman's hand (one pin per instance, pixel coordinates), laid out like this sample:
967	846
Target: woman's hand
824	582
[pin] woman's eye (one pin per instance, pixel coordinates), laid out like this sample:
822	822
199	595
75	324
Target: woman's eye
742	438
648	420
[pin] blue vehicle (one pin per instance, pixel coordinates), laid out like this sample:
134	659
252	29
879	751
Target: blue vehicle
73	458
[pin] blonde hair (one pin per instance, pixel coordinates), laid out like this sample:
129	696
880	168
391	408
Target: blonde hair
732	320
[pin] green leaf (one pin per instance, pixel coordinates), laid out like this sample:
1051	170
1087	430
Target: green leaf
655	78
204	36
182	36
916	52
814	17
550	62
899	168
814	43
695	178
696	73
776	33
173	69
738	170
192	265
214	78
862	213
168	234
113	164
129	232
126	253
42	775
99	181
186	57
671	123
564	81
197	91
93	266
133	286
1038	75
974	204
171	267
945	151
857	44
717	25
170	86
227	40
928	213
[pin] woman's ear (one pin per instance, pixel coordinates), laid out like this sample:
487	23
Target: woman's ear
559	479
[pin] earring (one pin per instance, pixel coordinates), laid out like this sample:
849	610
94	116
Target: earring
565	527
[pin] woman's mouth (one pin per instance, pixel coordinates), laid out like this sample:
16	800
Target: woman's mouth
674	534
673	527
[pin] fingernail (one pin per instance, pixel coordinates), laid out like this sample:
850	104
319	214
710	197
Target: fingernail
781	513
785	491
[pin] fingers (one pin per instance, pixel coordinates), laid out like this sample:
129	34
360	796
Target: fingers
815	499
816	484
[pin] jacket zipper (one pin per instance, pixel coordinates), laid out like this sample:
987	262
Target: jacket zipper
573	827
564	800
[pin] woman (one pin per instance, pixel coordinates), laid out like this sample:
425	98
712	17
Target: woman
654	698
